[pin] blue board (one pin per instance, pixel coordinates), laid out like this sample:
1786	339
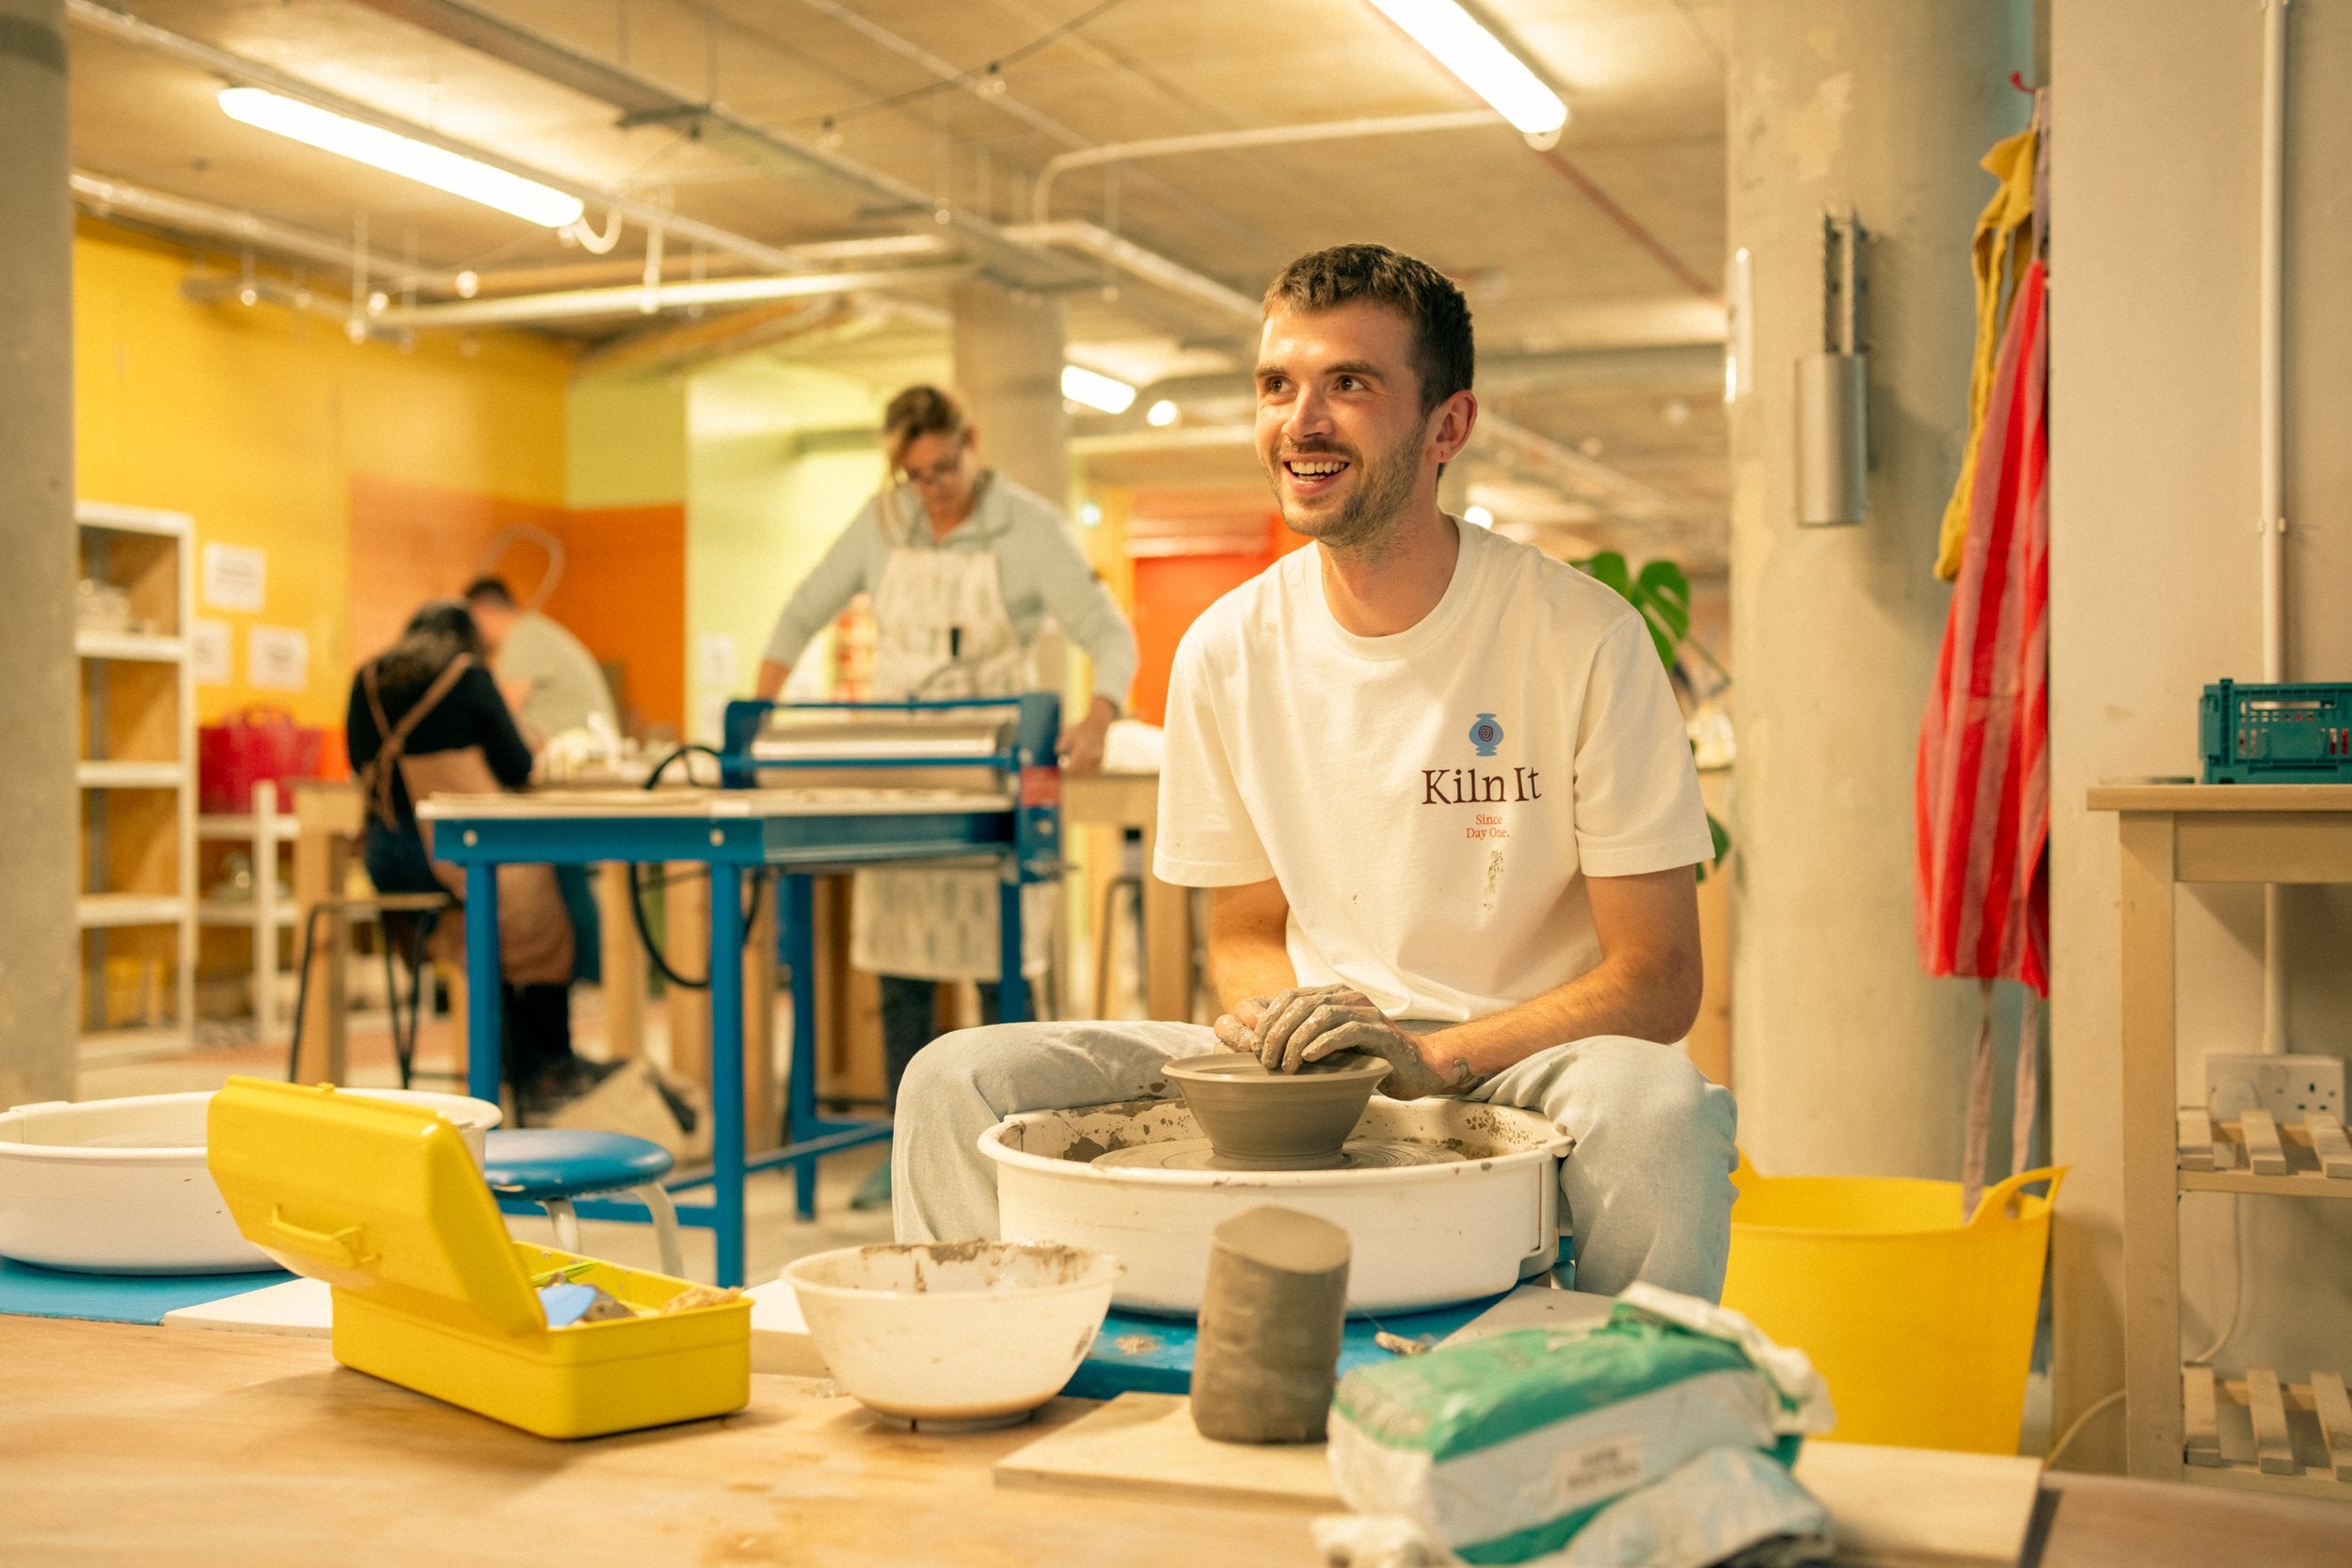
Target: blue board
118	1298
1139	1354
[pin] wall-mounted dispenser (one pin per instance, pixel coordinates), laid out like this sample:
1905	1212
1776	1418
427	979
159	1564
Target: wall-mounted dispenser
1833	429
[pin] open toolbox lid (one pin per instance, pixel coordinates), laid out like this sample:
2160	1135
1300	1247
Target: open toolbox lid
372	1196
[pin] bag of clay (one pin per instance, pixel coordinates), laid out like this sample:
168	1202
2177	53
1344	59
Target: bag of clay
1502	1449
644	1101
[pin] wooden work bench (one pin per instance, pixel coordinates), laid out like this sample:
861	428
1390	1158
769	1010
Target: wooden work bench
2169	834
134	1445
1120	802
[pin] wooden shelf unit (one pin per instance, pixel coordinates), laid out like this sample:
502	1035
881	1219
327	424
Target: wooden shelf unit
2173	1414
137	770
262	833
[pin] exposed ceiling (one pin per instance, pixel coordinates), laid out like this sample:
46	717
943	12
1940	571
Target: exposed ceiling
783	127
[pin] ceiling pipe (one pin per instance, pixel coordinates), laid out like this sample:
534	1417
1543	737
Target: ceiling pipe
1692	368
989	87
631	299
646	101
1136	262
598	79
105	197
132	30
1042	197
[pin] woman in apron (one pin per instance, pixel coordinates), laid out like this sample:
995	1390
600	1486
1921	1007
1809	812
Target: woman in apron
961	567
426	719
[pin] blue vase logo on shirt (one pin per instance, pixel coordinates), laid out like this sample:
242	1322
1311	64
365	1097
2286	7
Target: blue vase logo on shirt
1471	786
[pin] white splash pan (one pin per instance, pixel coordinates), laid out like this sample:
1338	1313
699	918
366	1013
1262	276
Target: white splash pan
1423	1235
120	1186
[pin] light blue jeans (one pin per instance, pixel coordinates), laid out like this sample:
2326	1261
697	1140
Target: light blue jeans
1648	1189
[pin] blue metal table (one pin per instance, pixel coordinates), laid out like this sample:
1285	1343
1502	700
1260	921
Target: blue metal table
747	833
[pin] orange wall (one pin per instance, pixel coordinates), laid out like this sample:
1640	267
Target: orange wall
1170	593
411	543
622	592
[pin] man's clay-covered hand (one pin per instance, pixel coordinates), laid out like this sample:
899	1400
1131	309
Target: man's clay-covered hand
1310	1023
1237	1030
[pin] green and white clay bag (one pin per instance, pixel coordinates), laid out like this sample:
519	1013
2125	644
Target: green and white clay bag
1503	1448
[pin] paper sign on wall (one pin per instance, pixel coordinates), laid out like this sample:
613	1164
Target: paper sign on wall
208	652
234	576
277	658
714	719
717	662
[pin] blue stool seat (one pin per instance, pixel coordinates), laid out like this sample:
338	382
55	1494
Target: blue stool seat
552	1165
560	1162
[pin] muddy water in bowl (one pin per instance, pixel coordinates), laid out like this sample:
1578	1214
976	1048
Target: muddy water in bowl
1262	1121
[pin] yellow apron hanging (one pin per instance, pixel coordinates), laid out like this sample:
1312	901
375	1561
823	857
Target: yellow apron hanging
2000	256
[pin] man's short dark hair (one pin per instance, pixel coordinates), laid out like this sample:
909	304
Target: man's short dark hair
491	591
1443	354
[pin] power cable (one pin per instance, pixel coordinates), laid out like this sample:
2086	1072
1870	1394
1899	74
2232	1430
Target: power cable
636	895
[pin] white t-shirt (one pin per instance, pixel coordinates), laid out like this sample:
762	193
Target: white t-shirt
1430	802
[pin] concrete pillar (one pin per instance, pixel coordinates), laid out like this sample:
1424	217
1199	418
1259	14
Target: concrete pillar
1007	346
1847	1059
38	683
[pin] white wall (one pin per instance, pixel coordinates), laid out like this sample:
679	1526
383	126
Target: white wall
2154	591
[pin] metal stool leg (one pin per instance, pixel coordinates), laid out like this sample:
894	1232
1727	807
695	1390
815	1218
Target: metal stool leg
566	1223
656	1198
302	988
1111	890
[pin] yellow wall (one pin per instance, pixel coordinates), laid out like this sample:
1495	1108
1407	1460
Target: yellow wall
255	419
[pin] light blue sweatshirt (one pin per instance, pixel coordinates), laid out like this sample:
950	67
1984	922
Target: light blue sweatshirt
1038	564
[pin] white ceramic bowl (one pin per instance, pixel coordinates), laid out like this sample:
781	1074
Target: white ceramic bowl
118	1186
954	1336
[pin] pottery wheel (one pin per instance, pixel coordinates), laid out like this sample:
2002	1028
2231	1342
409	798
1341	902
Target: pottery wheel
1360	1155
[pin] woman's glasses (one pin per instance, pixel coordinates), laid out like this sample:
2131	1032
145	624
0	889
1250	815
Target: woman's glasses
938	472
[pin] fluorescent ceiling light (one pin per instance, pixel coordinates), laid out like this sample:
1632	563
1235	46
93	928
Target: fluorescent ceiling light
1096	390
1478	57
401	155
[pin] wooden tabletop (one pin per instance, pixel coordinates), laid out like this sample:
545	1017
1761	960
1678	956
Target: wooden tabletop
2229	798
148	1446
144	1446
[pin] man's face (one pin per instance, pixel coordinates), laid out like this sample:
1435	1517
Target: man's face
1341	430
494	621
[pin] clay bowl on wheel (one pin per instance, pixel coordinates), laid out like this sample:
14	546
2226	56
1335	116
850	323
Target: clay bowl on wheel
1260	1120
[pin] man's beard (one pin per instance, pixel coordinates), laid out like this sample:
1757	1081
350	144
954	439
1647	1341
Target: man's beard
1369	520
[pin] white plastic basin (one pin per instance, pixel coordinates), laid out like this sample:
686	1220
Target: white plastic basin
953	1336
118	1186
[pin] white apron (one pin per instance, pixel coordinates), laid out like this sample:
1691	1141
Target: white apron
940	632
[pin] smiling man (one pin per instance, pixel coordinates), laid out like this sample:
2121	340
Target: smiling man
1439	786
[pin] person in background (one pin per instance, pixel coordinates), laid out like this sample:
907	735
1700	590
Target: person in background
548	678
425	717
552	684
961	567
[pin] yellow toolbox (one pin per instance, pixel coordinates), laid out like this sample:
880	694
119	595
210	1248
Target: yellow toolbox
382	1201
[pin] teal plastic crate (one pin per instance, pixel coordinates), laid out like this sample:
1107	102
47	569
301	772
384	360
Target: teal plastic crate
2283	733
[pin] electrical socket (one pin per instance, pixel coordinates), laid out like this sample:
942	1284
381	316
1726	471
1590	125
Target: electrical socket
2288	1087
